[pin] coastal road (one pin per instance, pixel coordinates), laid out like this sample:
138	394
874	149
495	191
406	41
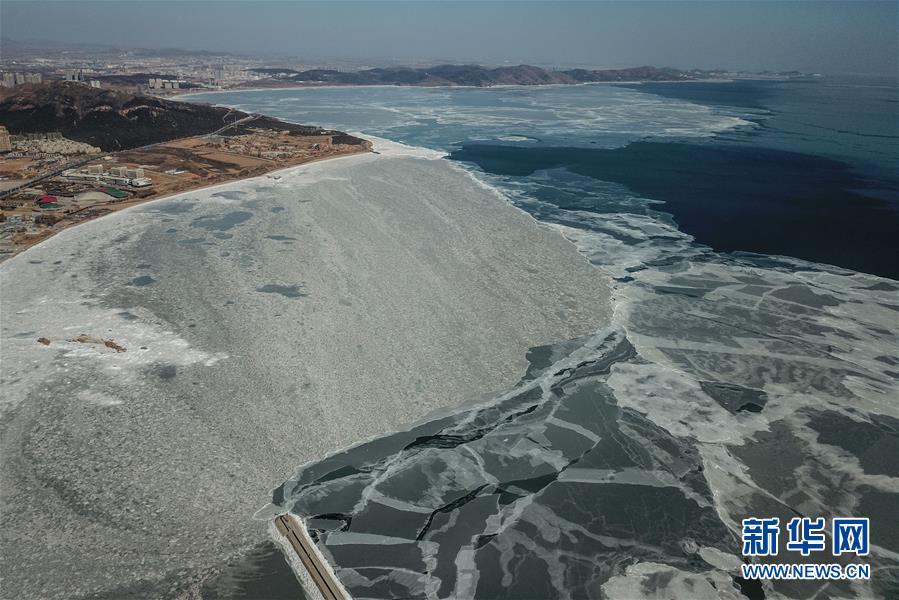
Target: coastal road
246	119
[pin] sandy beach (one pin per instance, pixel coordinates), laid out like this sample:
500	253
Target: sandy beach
266	323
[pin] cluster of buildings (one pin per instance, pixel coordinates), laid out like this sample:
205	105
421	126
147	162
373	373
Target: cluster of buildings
226	74
42	145
131	176
270	145
5	141
201	76
73	195
196	75
31	209
56	200
164	84
12	79
78	75
10	226
41	150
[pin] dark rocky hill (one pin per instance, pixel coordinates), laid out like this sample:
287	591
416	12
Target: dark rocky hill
109	119
118	120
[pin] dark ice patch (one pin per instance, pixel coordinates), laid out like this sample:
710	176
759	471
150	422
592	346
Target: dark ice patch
751	588
232	195
128	316
876	444
281	238
222	222
772	458
289	291
277	209
174	208
683	291
882	286
881	507
166	372
735	398
698	282
754	290
803	295
142	281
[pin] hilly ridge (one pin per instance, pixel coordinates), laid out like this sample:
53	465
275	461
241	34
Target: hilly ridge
118	120
110	119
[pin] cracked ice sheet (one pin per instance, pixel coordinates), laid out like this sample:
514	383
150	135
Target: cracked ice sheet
731	402
500	500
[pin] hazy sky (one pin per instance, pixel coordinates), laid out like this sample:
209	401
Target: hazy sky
829	37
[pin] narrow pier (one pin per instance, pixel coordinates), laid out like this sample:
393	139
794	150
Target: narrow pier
324	579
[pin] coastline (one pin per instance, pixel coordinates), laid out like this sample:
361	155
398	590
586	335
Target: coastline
117	207
230	396
378	146
434	87
477	87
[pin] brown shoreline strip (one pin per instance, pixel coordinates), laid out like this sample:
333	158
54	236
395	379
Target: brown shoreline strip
299	541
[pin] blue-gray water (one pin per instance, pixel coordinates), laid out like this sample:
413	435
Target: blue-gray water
750	232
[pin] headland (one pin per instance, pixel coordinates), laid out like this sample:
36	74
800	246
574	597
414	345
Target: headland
77	152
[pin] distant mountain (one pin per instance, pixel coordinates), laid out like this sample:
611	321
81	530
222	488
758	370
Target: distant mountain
118	120
478	76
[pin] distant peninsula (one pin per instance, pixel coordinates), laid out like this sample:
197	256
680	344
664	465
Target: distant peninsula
480	76
70	152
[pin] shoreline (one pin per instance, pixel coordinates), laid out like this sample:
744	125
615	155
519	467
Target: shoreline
117	207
